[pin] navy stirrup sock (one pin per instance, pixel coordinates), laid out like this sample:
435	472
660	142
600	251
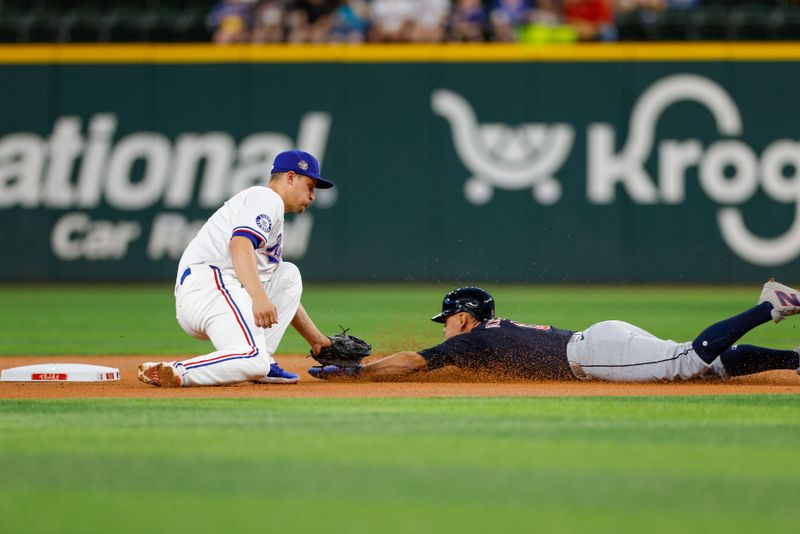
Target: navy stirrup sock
748	359
718	337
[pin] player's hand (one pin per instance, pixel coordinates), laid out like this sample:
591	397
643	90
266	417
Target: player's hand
323	342
264	313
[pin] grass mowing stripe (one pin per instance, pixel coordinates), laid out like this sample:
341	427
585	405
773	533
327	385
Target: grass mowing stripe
430	465
109	319
270	511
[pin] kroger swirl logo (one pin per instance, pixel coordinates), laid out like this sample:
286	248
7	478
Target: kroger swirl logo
730	172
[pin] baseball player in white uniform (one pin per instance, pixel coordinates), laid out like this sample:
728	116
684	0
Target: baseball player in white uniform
234	289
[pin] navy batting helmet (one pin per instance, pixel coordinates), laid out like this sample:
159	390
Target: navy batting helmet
473	300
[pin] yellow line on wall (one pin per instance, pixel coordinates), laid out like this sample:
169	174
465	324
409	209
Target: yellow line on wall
374	53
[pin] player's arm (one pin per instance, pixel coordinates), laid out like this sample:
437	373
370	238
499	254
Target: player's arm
400	363
305	327
458	350
243	258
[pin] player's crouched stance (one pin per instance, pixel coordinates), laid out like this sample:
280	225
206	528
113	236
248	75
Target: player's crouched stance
610	350
234	289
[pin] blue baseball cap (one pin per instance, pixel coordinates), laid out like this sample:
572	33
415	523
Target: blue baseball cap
301	163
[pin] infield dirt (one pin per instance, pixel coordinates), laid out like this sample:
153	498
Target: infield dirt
446	382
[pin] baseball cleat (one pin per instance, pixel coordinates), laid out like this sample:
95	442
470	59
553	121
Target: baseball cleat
785	300
277	375
160	374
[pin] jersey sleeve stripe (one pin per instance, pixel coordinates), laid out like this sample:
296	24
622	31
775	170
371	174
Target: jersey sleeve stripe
245	231
253	239
250	228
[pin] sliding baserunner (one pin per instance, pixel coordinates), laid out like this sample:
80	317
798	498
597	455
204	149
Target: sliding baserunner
610	350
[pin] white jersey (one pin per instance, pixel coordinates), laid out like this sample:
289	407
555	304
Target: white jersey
257	214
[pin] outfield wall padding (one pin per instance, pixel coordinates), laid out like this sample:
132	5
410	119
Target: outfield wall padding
535	170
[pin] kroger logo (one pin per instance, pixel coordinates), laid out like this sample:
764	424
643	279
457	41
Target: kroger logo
730	172
499	155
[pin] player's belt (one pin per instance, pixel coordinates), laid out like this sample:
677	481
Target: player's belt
186	273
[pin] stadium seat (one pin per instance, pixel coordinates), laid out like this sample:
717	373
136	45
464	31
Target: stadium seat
39	26
710	23
8	30
191	25
126	25
786	25
104	20
672	25
185	25
164	26
82	26
735	3
182	5
750	23
9	24
630	27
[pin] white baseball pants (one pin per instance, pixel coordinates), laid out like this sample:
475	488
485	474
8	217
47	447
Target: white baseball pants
621	352
210	305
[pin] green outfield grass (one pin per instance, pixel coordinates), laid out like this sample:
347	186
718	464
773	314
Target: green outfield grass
726	464
699	464
140	319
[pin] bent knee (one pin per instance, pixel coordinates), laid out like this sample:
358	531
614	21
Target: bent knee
288	277
706	351
290	271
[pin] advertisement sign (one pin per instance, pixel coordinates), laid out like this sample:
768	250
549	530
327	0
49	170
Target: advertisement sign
612	171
